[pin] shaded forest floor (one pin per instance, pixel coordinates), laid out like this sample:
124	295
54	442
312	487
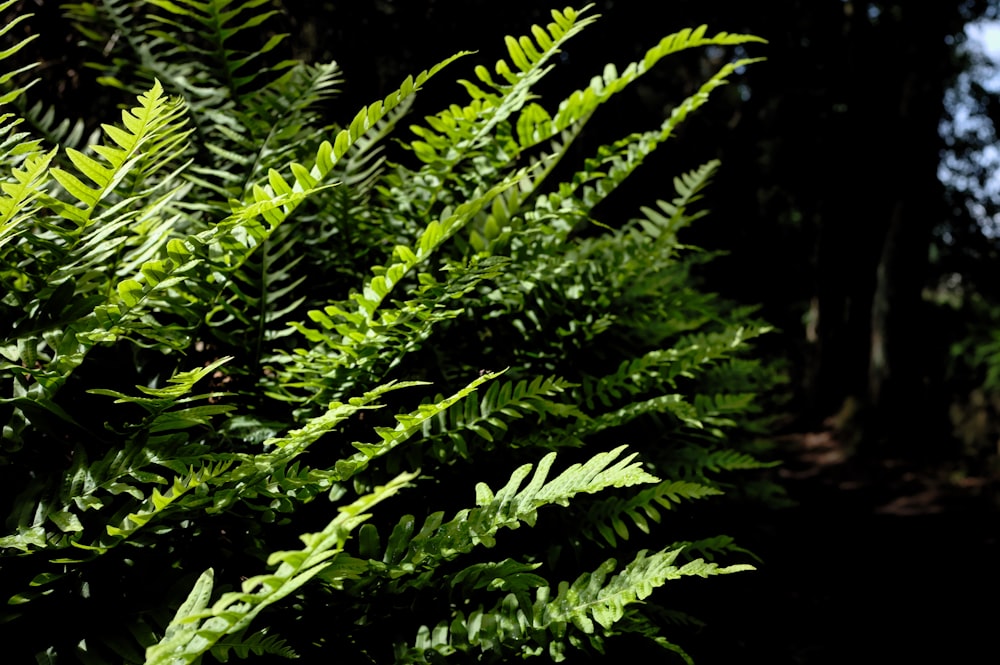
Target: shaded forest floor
879	562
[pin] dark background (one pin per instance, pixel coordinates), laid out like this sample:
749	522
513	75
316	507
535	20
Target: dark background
835	217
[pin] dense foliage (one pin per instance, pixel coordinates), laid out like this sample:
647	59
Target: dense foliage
267	392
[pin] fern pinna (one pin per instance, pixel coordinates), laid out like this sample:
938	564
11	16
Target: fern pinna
229	323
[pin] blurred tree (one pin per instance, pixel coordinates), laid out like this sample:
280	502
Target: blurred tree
847	114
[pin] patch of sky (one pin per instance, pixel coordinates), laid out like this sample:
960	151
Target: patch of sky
970	162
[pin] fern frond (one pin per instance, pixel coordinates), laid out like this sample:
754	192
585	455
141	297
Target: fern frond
158	502
407	426
507	575
674	404
360	316
17	148
217	23
88	485
672	216
259	643
276	199
118	30
610	517
122	315
351	330
479	133
55	130
152	134
196	627
272	474
17	205
663	367
694	462
508	508
580	104
602	174
11	94
516	625
246	143
589	599
469	128
488	417
709	548
636	623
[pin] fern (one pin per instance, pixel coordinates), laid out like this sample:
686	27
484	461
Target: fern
591	601
149	138
227	317
196	627
490	416
258	644
90	485
610	518
510	507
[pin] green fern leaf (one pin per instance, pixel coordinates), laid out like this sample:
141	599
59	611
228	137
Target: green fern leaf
610	517
152	134
509	507
589	599
16	204
259	643
196	627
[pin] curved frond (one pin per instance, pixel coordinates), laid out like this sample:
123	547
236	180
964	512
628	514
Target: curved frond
93	485
615	162
260	643
465	130
480	423
150	137
516	625
612	518
196	626
508	508
17	203
589	600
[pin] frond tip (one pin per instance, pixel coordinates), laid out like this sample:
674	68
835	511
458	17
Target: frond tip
590	600
196	627
151	135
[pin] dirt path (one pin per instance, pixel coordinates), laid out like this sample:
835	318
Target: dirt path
878	563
